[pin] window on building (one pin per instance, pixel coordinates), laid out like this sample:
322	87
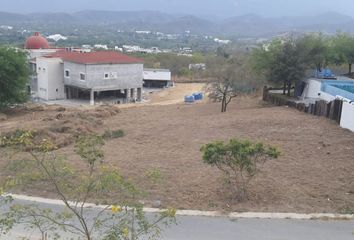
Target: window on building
67	73
82	76
106	75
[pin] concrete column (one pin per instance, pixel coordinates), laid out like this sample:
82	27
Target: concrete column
133	93
92	97
140	94
128	94
68	92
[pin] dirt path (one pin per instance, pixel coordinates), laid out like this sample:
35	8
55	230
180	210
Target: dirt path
176	94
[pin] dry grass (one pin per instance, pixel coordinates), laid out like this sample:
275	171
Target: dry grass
314	173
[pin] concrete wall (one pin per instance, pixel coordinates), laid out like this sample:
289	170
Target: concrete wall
157	74
347	119
74	78
50	78
120	76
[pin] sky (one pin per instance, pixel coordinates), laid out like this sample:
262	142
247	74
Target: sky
219	8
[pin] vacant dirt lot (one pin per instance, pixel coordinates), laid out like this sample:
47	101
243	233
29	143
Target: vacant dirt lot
314	173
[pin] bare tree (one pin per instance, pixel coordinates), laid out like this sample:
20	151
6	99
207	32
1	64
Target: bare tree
232	77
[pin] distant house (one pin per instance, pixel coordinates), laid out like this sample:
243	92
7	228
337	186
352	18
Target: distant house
197	66
157	78
76	74
93	74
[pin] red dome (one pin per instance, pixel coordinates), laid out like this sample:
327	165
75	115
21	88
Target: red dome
36	42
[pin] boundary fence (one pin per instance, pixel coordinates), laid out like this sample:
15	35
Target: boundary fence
331	110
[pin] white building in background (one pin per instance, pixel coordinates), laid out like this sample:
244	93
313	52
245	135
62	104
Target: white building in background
217	40
5	27
197	66
101	46
157	78
57	37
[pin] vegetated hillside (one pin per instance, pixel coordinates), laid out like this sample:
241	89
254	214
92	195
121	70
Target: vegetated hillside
254	25
11	18
247	25
188	23
52	18
122	17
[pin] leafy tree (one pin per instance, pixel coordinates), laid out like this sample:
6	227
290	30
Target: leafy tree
343	50
124	219
232	77
291	66
239	161
281	62
14	74
317	52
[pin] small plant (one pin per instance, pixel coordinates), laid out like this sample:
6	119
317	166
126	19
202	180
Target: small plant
240	161
125	219
154	175
108	134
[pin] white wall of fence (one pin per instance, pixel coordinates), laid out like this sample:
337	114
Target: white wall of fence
347	119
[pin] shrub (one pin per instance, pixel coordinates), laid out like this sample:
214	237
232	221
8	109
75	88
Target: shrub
113	134
239	161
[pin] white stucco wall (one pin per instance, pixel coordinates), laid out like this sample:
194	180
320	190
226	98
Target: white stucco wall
50	78
157	74
313	91
35	53
121	76
347	119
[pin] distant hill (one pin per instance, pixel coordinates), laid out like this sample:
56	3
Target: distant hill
248	25
8	18
52	18
114	17
254	25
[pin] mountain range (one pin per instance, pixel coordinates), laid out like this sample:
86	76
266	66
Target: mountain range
250	25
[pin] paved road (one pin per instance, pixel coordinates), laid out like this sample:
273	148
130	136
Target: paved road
205	228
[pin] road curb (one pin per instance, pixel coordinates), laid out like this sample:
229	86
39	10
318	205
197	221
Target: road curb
196	213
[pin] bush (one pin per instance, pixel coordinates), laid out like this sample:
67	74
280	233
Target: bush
109	134
239	161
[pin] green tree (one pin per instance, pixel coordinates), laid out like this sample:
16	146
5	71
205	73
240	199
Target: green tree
343	50
124	219
283	61
239	161
317	52
14	75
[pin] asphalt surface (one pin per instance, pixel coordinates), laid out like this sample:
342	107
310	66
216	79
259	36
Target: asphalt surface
209	228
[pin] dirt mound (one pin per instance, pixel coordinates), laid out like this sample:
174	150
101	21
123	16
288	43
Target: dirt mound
3	117
63	126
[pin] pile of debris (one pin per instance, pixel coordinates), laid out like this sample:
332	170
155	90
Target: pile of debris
63	126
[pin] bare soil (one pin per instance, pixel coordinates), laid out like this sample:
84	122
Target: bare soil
313	174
